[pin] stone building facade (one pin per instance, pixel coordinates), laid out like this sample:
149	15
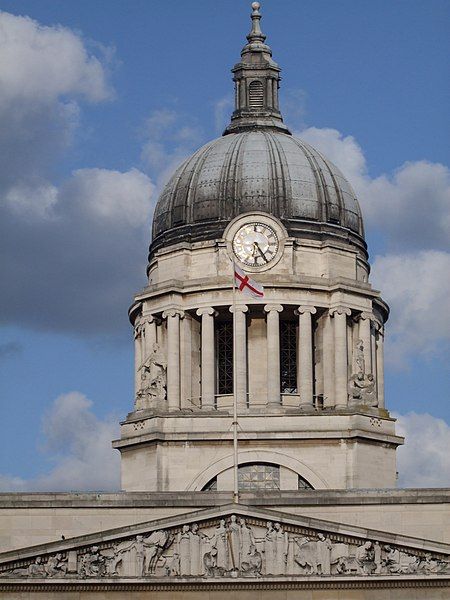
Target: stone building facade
259	453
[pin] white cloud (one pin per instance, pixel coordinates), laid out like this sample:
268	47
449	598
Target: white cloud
168	140
424	460
79	445
44	63
411	207
417	289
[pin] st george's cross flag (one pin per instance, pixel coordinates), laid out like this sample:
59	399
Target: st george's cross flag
246	285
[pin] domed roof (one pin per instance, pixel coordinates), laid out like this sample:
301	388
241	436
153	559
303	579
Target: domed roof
257	165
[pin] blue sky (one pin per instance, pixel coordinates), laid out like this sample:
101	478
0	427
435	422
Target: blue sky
102	99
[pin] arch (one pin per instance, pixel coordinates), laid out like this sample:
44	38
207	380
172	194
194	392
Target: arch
250	456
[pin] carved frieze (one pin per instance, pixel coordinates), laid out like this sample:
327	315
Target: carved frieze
231	546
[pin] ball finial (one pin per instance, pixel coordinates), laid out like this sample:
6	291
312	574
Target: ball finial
256	5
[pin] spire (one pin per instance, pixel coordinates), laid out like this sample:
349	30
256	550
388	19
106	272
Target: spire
256	80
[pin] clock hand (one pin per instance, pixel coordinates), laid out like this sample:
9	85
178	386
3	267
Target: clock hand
261	252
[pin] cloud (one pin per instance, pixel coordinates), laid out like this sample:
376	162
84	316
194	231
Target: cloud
169	139
73	253
410	207
417	289
222	111
45	73
79	445
424	460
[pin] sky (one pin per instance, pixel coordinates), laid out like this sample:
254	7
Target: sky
100	101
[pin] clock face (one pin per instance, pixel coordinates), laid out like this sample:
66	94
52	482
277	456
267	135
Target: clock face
255	244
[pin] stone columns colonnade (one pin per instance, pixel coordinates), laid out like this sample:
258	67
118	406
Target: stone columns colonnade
305	369
339	315
173	316
208	364
273	354
240	347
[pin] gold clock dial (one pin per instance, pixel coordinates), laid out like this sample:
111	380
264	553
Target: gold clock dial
255	244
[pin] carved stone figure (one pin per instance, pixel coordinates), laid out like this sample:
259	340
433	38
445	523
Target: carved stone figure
184	550
196	539
377	557
153	380
364	558
270	548
247	541
359	357
400	562
324	546
361	390
173	565
251	565
219	543
56	566
234	537
154	546
281	549
92	564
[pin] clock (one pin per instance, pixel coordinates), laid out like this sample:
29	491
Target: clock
255	244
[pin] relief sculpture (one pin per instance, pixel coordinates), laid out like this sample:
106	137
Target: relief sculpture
153	380
231	547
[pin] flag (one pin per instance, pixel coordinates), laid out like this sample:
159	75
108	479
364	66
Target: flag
246	285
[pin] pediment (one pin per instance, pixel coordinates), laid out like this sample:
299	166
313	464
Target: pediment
233	542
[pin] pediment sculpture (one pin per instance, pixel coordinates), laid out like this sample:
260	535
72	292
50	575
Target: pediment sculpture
153	383
232	545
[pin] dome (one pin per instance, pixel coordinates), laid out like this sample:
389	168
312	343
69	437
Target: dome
256	170
257	165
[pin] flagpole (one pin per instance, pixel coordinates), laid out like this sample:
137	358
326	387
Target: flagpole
235	423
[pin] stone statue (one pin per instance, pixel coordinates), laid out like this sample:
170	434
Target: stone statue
377	557
359	357
270	548
361	390
234	537
92	564
252	563
219	543
281	549
247	541
364	558
196	543
173	565
324	547
184	550
153	380
56	566
154	545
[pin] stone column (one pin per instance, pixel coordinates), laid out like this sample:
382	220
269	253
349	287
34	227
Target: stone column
149	335
380	365
240	360
273	354
269	93
305	372
328	362
364	320
208	364
138	328
173	357
339	315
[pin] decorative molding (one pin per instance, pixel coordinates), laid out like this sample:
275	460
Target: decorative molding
242	308
340	310
173	312
206	310
273	308
305	309
235	545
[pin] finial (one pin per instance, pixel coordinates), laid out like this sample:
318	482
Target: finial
256	34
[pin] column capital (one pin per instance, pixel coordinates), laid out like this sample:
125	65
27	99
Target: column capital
273	308
364	315
173	312
240	308
305	309
340	310
149	318
206	310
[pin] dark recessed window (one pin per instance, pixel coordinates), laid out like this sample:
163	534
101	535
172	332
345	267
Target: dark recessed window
256	94
288	357
259	476
224	357
303	484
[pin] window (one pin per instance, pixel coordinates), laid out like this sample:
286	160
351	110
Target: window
256	94
211	486
224	357
259	476
303	484
288	357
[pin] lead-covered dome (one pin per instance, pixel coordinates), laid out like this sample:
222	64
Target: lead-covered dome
257	165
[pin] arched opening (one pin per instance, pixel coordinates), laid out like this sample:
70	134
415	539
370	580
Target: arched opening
258	476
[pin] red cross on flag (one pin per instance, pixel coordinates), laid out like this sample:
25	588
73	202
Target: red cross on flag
246	285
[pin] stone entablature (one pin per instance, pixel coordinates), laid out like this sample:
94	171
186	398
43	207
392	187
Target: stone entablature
232	542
